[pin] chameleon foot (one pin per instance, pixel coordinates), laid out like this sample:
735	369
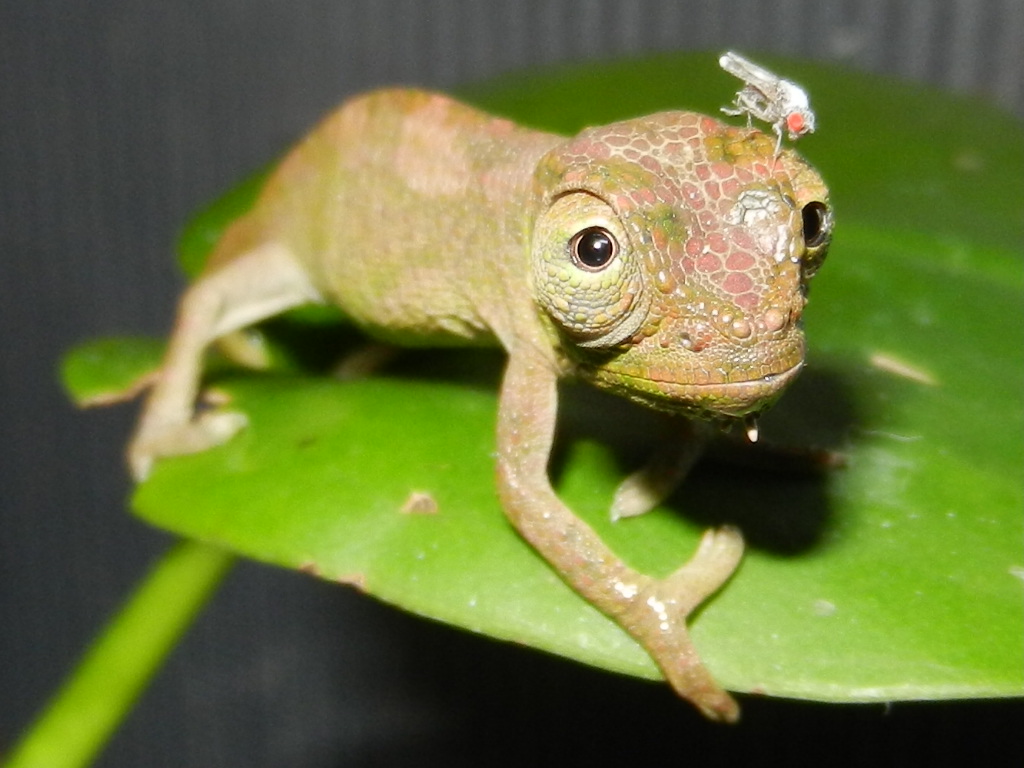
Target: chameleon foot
650	485
717	557
658	620
638	494
203	432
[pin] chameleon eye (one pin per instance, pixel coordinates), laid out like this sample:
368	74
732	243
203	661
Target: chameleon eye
593	248
816	224
584	275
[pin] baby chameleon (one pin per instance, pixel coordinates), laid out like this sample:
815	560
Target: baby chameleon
664	258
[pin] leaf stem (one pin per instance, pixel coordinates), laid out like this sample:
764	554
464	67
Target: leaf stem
115	670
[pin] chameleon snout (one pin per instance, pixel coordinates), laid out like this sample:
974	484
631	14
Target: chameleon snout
712	341
727	377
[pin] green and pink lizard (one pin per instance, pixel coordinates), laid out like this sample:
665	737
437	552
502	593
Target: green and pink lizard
664	258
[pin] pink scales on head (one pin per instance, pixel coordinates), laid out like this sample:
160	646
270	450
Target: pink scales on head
724	258
715	226
705	204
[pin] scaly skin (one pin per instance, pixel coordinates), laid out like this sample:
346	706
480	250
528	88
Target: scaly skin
664	258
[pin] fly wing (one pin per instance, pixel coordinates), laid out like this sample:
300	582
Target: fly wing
749	72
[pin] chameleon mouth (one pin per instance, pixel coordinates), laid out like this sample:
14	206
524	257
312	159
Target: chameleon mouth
712	398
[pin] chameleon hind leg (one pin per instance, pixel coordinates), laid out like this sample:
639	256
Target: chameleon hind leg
253	286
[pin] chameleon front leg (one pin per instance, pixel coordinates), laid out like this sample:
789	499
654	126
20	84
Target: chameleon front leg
251	287
653	611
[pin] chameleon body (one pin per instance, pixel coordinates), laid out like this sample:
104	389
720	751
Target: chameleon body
664	258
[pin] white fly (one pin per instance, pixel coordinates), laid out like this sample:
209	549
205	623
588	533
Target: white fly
768	97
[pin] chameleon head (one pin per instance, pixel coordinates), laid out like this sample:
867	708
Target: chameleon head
672	258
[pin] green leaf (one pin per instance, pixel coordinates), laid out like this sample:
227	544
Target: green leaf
896	577
108	370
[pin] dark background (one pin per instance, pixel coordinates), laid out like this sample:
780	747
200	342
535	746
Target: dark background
120	118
